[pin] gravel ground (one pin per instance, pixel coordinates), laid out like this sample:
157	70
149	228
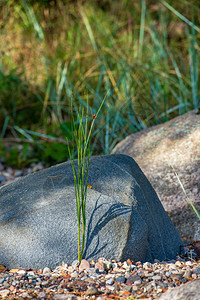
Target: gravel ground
100	280
8	174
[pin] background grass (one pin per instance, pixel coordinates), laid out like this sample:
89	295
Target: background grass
143	54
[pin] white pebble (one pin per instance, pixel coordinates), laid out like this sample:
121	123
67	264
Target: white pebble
147	265
46	270
21	272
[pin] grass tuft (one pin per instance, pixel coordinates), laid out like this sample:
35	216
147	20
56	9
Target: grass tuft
145	57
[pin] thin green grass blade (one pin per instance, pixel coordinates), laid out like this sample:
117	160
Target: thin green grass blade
97	94
32	17
4	127
142	22
23	132
42	135
107	148
180	16
194	61
153	94
190	202
89	30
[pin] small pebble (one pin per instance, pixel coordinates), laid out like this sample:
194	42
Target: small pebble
84	265
9	170
135	288
107	265
21	272
75	263
6	284
188	263
2	179
127	288
18	173
92	270
187	274
172	266
114	265
121	279
156	277
109	281
4	293
45	283
42	295
147	265
110	287
46	270
64	297
100	265
91	291
133	278
196	270
178	263
74	274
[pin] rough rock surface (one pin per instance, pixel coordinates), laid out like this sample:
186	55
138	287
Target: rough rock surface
187	291
176	144
38	223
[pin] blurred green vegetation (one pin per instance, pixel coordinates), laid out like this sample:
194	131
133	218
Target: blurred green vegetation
144	55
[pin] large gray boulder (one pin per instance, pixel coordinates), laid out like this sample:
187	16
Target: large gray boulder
125	219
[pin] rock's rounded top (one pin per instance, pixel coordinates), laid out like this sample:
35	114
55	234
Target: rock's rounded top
174	142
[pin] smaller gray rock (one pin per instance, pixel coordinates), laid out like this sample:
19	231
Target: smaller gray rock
75	263
107	265
196	270
4	292
109	281
147	265
46	270
6	284
100	266
74	274
138	282
92	270
2	179
21	272
121	279
189	291
45	283
156	277
92	291
2	280
133	278
127	288
64	297
18	173
42	295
